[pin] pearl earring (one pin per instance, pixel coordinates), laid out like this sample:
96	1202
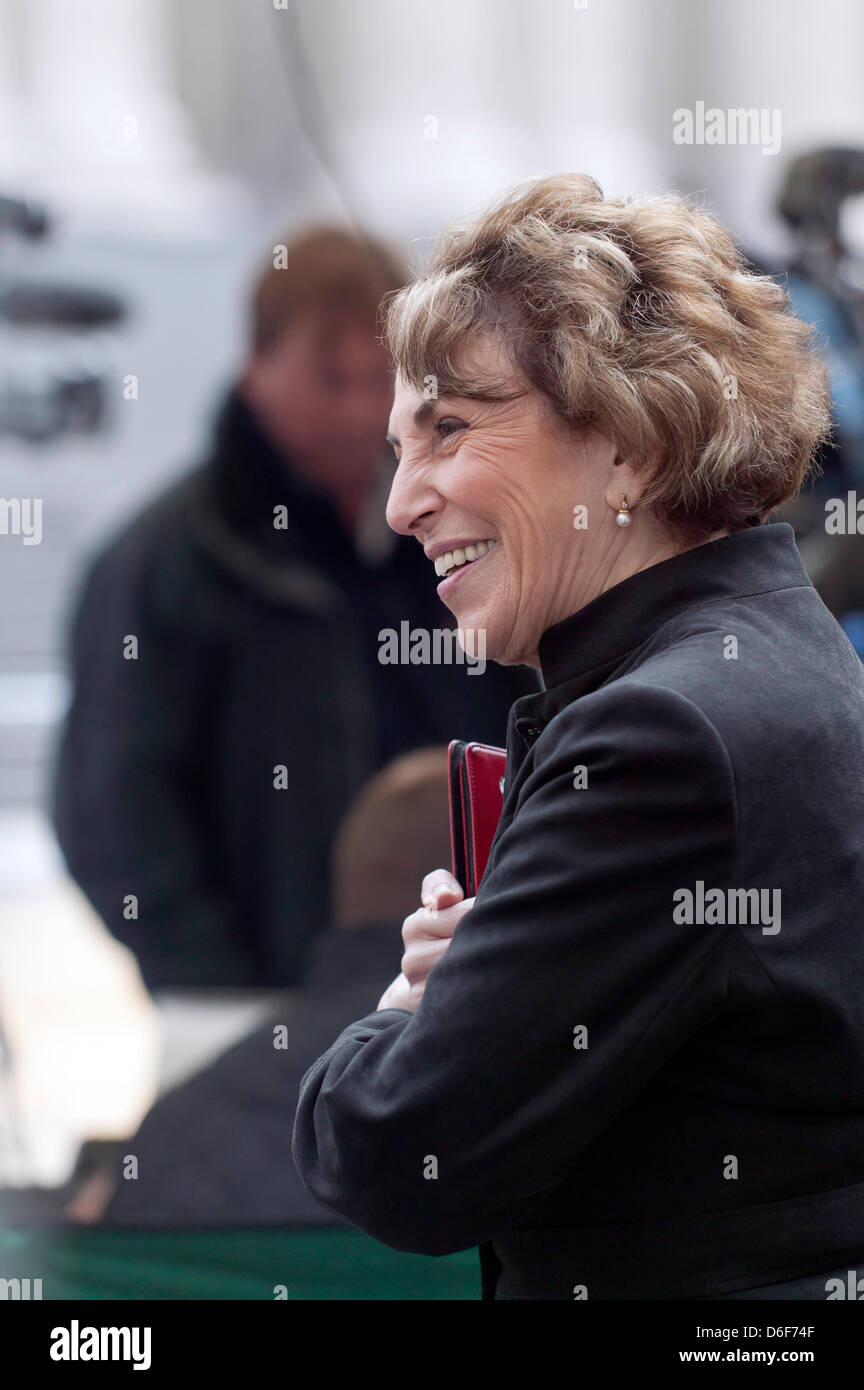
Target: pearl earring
623	517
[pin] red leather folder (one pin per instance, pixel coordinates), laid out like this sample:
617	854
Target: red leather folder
476	786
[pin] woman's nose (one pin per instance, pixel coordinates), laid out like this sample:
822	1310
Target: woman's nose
412	502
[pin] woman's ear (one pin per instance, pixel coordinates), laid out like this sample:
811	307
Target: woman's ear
629	481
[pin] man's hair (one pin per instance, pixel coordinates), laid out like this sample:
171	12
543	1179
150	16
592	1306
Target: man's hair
396	831
641	318
326	269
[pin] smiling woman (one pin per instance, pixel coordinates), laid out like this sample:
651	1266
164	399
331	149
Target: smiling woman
615	356
493	472
616	1100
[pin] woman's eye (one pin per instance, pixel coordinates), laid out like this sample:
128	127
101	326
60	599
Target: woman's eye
447	427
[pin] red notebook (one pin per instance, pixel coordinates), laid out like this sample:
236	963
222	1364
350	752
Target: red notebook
476	785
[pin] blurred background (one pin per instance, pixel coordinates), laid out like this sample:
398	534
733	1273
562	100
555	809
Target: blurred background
153	154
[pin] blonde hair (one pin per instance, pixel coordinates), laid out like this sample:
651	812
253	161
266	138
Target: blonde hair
639	317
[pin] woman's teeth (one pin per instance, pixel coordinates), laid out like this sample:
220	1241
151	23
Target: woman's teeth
452	559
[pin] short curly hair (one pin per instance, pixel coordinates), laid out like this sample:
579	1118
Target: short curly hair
640	317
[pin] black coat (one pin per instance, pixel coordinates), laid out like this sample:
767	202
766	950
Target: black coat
258	649
706	1133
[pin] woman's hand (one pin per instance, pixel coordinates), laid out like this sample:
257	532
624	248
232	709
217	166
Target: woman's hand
426	934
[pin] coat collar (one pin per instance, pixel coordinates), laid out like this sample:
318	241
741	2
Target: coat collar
312	564
250	477
579	653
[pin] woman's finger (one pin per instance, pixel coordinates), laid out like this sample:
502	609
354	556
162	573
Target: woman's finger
424	925
419	960
439	888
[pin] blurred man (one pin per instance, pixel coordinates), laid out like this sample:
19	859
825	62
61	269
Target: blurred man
825	279
228	698
826	283
217	1150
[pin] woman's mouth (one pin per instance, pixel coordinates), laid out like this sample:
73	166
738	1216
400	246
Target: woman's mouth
454	563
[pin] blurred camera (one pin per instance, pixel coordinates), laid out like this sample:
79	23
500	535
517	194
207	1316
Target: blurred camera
53	379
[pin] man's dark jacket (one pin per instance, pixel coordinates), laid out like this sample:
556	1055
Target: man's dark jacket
612	1096
257	649
211	1152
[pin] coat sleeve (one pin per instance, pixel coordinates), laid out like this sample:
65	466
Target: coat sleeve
124	801
436	1130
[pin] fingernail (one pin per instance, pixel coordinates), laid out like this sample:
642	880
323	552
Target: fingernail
439	891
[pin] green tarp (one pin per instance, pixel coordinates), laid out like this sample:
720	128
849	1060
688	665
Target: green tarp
242	1264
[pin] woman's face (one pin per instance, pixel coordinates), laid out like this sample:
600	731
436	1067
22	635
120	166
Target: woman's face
507	473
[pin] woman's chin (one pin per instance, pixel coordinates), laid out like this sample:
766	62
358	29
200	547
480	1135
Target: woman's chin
482	632
470	617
